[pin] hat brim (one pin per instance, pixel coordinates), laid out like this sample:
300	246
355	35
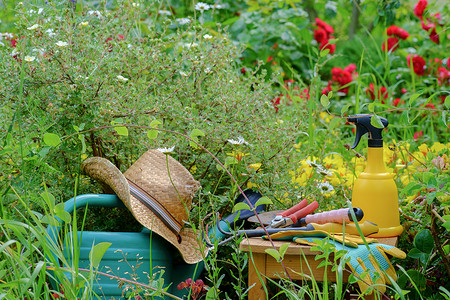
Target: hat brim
110	177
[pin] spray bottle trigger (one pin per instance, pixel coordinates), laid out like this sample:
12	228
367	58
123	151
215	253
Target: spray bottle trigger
360	131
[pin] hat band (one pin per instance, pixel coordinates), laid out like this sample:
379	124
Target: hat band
155	207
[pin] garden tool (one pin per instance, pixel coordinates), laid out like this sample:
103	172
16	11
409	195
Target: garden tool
237	218
368	261
347	234
341	216
374	190
367	228
293	214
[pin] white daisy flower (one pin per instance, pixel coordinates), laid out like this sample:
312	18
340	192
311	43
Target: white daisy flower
183	74
121	78
217	6
323	171
240	141
165	13
34	27
41	10
135	4
183	21
62	44
190	45
50	32
313	164
325	187
95	13
207	37
202	6
166	150
29	58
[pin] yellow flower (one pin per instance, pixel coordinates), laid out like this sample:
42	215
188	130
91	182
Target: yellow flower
438	147
193	169
83	156
238	154
424	149
256	166
251	185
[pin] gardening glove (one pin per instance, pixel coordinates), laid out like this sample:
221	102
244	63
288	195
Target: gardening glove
368	262
333	231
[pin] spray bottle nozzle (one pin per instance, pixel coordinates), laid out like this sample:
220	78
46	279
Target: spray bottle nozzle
364	125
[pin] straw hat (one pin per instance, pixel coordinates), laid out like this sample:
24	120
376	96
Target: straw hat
158	191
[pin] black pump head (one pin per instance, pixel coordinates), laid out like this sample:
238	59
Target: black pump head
364	125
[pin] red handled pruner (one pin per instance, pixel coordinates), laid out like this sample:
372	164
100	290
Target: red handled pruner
293	214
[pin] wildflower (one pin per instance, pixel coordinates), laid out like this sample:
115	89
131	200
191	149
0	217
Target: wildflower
84	24
238	155
239	141
312	163
397	31
121	78
322	35
183	21
191	45
323	171
344	76
392	44
165	13
166	150
34	27
200	6
95	13
325	187
217	6
61	44
256	166
418	134
183	74
29	58
135	4
397	102
418	64
50	32
443	75
207	37
377	93
420	8
276	102
434	36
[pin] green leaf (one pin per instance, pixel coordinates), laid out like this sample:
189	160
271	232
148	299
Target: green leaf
155	123
230	21
229	160
417	277
417	254
61	213
49	199
283	249
324	52
413	98
121	130
447	101
344	109
152	134
196	132
274	253
424	241
263	200
375	121
371	107
324	101
330	94
97	252
332	41
51	139
241	206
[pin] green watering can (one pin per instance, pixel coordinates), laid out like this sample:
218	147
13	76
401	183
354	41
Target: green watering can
154	250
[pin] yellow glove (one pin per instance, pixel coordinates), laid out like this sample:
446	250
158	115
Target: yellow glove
368	262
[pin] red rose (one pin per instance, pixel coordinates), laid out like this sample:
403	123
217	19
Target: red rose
398	32
325	45
320	35
392	44
418	64
443	76
327	89
420	8
380	93
324	26
434	36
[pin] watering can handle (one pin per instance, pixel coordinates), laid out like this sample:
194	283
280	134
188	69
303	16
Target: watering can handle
93	200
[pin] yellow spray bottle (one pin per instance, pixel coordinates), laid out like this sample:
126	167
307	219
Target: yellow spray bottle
375	191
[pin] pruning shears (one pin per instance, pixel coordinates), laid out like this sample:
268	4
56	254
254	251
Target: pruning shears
294	214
